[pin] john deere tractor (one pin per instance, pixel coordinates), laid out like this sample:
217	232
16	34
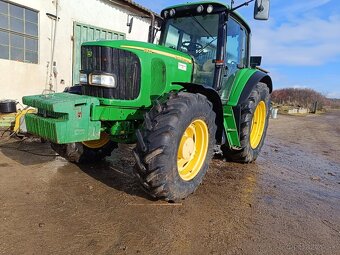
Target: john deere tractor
196	89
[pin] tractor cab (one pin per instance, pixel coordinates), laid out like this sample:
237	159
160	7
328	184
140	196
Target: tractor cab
197	35
214	35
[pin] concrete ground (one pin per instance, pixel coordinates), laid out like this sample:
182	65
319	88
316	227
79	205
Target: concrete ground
288	202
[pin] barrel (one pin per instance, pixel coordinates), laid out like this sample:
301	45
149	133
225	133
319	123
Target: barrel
8	106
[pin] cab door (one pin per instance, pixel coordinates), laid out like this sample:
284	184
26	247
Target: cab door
236	56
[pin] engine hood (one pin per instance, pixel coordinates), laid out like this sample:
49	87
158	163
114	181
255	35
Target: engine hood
161	69
137	47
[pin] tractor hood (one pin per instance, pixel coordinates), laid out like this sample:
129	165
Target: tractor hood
154	69
142	47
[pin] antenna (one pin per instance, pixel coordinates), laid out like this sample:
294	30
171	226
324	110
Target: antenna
241	5
231	4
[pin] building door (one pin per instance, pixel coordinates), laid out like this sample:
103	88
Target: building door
85	33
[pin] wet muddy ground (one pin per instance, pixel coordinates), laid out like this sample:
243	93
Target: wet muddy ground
288	202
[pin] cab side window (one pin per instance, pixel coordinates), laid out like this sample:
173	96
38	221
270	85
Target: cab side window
236	56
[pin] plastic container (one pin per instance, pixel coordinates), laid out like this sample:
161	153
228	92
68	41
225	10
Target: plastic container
274	113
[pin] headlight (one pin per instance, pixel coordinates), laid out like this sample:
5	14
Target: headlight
103	80
82	78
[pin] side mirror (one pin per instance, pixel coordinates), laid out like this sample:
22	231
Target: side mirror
130	24
261	9
255	61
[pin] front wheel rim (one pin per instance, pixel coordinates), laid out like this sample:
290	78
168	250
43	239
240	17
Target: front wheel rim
258	125
96	144
192	150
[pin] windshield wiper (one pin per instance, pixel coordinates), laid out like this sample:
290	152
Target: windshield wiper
208	44
193	17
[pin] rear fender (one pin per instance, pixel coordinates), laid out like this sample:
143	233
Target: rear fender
245	82
241	90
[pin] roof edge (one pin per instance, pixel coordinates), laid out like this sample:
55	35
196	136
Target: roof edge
134	5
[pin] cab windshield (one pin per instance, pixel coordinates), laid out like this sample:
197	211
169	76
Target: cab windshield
197	36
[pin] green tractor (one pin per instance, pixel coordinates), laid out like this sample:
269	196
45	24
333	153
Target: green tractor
177	100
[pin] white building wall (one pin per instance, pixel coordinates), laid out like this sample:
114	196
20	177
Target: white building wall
18	79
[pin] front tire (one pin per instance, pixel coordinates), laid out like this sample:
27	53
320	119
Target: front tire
253	126
86	152
175	147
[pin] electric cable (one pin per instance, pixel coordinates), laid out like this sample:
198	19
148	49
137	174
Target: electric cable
30	151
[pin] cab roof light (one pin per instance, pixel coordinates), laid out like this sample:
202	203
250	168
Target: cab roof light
172	12
165	14
200	8
210	8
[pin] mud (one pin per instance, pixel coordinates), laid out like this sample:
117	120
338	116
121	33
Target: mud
288	202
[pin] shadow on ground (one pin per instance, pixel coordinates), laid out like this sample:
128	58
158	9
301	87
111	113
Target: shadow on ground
28	152
115	172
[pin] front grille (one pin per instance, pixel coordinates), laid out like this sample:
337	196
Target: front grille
124	64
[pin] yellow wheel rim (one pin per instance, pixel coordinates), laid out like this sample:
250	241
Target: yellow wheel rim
96	144
258	124
192	150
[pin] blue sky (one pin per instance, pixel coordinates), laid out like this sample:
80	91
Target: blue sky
300	44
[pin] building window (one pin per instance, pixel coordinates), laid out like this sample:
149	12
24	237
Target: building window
18	33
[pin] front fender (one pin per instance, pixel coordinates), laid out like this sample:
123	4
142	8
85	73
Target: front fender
214	98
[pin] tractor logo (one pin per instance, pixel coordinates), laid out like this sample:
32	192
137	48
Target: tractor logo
89	53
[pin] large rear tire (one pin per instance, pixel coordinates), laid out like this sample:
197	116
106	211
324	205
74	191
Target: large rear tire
175	146
253	126
86	152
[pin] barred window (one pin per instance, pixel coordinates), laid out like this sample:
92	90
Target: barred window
18	33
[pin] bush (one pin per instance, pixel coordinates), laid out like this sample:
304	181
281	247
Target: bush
305	98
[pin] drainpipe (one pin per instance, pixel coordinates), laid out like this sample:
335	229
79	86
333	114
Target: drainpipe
151	28
52	64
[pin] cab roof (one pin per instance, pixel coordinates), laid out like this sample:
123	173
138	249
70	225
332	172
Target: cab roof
222	5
